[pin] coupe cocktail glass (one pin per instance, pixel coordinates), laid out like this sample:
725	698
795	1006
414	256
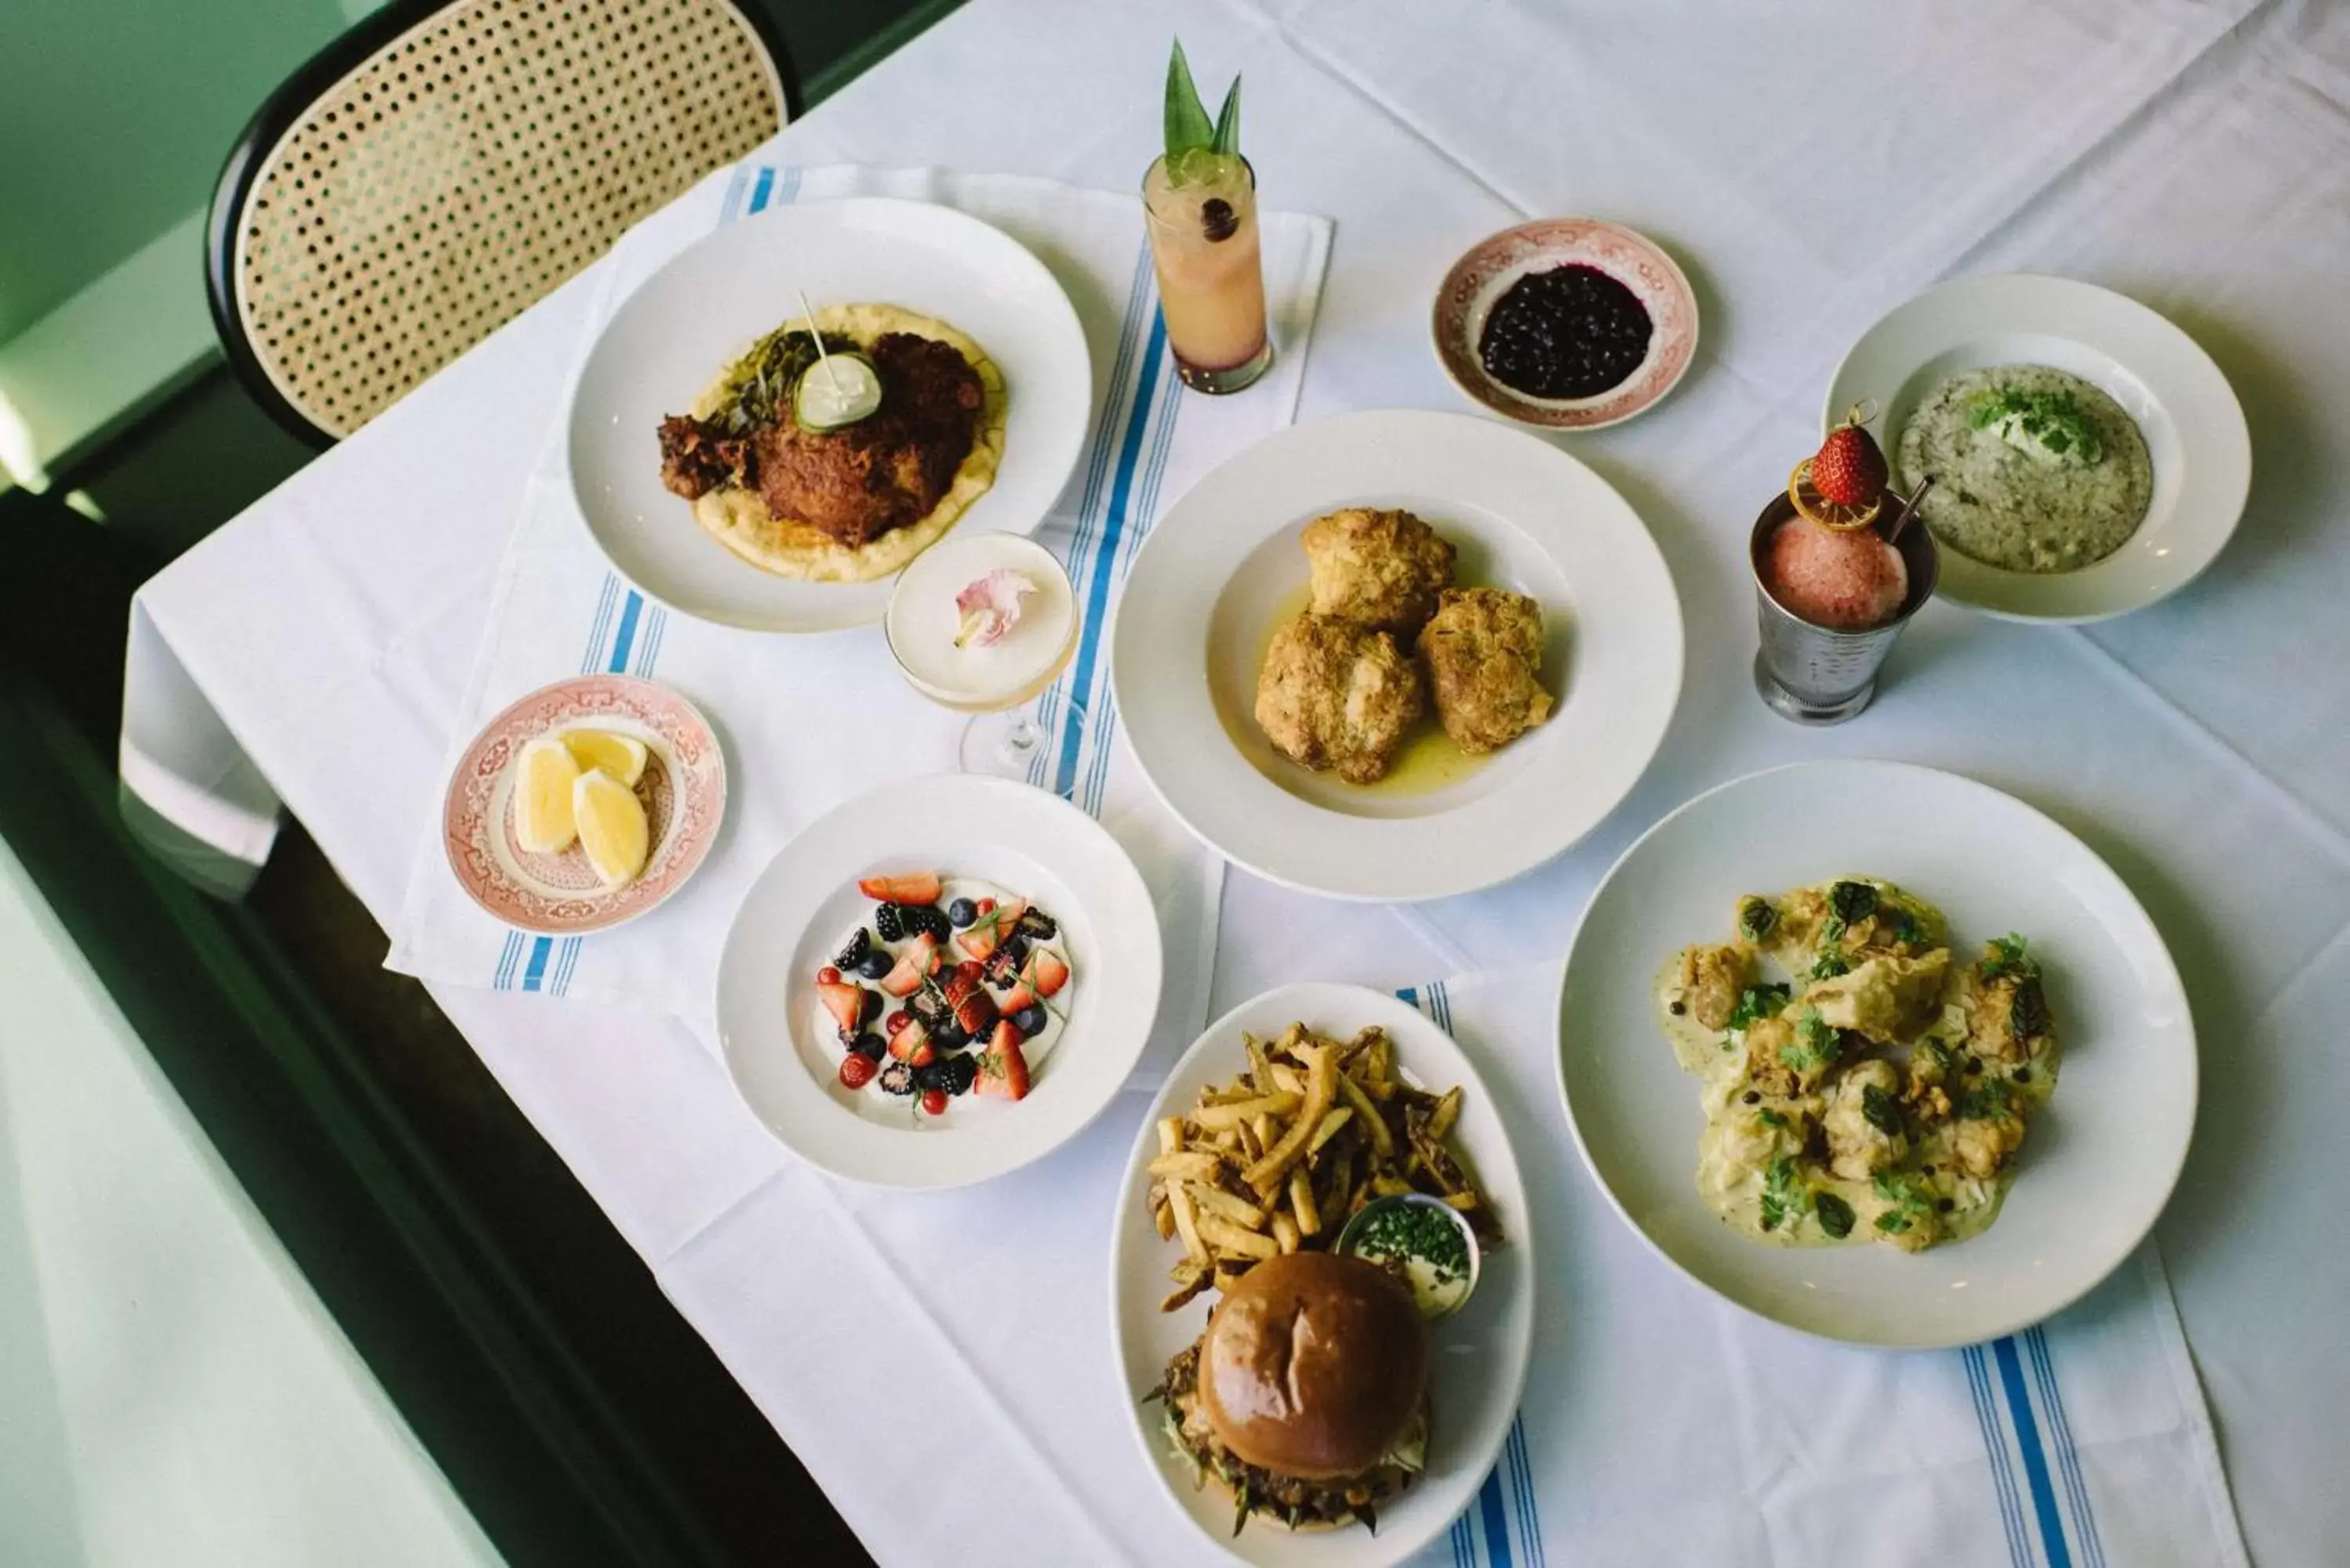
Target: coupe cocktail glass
996	681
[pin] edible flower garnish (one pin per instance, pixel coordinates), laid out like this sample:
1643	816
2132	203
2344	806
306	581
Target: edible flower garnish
989	607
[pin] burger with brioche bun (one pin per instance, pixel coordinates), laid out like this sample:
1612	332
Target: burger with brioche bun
1307	1398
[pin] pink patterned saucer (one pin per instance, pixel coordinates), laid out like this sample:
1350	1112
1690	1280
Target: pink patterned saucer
683	790
1488	269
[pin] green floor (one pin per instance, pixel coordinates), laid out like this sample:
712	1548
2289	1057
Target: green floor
576	1414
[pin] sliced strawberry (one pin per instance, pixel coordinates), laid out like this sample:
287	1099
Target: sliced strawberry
911	1045
845	1002
920	957
1047	971
920	888
976	1014
1020	999
1003	1069
979	940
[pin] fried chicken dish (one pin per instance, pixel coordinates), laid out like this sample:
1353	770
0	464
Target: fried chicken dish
1382	568
1335	694
855	484
1483	649
1340	688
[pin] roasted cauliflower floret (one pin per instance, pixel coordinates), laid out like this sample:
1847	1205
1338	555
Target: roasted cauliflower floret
1903	1214
1989	1130
1864	1126
1886	999
2007	1013
1754	1135
1802	915
1792	1053
1710	978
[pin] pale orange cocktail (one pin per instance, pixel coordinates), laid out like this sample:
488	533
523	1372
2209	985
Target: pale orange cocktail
1201	209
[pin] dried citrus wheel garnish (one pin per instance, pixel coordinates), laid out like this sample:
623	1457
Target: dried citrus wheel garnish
1827	514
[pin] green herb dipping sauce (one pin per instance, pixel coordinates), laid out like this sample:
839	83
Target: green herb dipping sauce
1429	1247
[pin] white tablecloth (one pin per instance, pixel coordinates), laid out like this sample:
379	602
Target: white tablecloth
1811	165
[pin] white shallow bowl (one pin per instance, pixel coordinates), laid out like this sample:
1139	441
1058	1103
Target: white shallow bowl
708	304
1478	1369
2194	428
2102	1157
806	900
1215	573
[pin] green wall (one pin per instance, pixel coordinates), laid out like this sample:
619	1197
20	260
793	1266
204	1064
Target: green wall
114	116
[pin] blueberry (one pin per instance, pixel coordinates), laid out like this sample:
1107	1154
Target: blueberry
874	964
962	912
1029	1020
950	1036
870	1046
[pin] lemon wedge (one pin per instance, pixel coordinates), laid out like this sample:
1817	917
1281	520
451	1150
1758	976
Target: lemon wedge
613	833
545	778
622	756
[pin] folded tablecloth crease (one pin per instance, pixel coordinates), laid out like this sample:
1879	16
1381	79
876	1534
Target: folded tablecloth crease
561	609
1658	1425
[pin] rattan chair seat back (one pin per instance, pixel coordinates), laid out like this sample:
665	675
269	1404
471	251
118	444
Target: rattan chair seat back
446	166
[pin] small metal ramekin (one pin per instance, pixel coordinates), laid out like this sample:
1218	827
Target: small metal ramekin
1809	673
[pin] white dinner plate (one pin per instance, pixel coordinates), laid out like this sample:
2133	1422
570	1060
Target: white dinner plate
1222	567
797	911
2194	428
1478	1369
708	304
2102	1156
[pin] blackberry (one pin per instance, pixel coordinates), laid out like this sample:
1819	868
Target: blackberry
897	1078
920	917
961	1072
1035	923
888	920
870	1046
855	954
936	1074
962	912
1003	963
930	1006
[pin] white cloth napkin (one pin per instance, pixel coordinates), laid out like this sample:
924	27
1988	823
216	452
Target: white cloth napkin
1659	1426
561	609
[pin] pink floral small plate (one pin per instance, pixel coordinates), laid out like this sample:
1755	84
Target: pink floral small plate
683	790
1488	269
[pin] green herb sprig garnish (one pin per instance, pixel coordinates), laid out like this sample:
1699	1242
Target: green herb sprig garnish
1815	1045
1830	964
1783	1194
2055	419
1757	1003
2007	956
758	389
1835	1214
1909	1205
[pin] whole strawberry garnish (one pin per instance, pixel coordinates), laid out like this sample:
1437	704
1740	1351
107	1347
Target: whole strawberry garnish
1849	468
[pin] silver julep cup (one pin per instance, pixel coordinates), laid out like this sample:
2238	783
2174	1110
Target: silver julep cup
1809	673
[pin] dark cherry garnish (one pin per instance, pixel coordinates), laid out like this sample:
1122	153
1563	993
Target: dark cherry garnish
1217	219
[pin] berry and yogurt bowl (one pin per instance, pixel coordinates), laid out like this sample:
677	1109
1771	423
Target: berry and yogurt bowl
939	981
949	985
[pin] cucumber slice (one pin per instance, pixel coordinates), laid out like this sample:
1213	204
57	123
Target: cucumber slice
835	392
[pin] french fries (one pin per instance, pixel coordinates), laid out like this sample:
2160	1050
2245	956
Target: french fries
1277	1159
